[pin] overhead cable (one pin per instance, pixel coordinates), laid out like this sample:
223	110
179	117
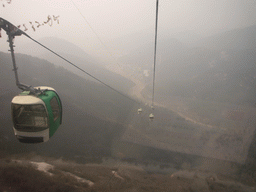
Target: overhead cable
98	37
154	69
81	69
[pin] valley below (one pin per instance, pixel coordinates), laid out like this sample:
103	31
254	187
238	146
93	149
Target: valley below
202	137
48	174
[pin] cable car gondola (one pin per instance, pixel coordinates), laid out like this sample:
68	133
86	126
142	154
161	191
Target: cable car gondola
36	117
139	110
151	117
36	112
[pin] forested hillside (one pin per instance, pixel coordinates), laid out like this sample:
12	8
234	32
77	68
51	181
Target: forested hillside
78	57
92	113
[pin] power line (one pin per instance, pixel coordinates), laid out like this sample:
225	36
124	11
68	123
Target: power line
98	37
88	24
154	70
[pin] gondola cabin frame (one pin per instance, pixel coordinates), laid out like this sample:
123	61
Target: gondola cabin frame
36	117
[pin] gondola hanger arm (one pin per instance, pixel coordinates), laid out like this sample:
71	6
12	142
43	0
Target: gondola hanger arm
12	31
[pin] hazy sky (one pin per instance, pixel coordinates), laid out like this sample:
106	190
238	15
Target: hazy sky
116	18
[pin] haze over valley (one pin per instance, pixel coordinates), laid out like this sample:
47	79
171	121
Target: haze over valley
202	137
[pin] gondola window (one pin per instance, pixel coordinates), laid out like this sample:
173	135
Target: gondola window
29	117
55	108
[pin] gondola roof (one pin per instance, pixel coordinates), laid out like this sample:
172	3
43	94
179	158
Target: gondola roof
27	100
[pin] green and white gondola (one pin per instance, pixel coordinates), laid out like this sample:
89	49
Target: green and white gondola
36	117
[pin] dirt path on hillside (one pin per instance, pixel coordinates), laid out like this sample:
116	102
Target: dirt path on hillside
136	91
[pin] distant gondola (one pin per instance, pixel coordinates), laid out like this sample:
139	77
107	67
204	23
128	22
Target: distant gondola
151	117
36	117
